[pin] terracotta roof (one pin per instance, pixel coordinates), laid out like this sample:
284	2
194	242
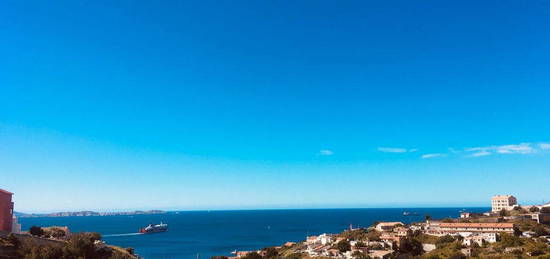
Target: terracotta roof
477	225
4	191
502	196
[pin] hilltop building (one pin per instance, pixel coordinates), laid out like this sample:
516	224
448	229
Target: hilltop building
500	202
6	211
387	226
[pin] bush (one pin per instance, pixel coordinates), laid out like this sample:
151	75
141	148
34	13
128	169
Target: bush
294	256
12	239
36	231
443	241
130	250
457	256
507	240
410	246
356	234
540	230
252	255
534	209
373	235
271	252
376	246
360	255
343	246
503	213
29	249
57	232
82	245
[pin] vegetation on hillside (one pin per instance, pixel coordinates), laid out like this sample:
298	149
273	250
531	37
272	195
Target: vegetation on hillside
77	246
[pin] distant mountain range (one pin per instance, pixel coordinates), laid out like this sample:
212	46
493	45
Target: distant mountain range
87	213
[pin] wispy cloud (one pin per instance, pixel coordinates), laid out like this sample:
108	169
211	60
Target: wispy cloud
396	150
433	155
326	152
481	153
522	148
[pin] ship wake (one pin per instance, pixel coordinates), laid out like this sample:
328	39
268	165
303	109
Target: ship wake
122	235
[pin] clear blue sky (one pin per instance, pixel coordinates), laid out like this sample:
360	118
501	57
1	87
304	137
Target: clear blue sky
116	105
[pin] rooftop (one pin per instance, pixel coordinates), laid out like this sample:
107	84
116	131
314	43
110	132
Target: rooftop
5	192
477	225
502	196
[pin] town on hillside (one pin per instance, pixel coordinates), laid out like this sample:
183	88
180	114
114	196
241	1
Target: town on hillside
507	231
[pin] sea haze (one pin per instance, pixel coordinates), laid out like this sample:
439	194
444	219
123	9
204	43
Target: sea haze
209	233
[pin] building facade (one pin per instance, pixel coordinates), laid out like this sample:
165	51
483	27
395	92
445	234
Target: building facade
500	202
450	228
6	211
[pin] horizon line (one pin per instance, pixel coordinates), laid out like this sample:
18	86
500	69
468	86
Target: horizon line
250	209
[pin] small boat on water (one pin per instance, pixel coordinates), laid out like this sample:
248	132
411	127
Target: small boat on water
406	213
154	228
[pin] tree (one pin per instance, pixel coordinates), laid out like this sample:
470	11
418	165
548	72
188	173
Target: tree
343	246
534	209
427	217
517	232
36	231
410	246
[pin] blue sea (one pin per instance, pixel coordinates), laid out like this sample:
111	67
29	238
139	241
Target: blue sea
208	233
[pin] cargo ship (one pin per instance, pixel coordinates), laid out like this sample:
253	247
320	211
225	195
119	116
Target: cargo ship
154	228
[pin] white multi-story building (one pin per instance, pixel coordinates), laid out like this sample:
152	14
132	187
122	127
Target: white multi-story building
471	238
500	202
